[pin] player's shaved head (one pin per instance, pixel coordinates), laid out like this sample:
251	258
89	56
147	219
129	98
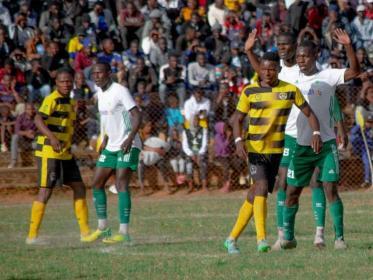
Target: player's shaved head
101	73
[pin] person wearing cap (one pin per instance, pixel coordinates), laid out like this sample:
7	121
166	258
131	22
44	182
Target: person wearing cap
362	27
75	44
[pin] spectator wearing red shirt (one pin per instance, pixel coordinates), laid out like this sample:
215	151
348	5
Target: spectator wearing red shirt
83	58
265	28
10	69
233	25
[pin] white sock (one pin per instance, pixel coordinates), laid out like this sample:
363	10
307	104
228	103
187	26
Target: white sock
320	231
123	228
102	224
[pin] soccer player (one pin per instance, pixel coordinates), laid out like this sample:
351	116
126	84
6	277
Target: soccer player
318	86
267	102
119	151
56	166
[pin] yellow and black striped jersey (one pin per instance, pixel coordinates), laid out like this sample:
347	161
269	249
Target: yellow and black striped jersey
268	109
59	115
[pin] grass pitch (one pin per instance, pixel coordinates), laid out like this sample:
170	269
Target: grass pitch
181	237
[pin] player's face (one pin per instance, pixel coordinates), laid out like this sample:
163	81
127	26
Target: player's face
64	83
269	72
100	75
286	50
306	59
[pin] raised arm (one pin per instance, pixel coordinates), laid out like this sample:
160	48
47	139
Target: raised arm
341	37
249	45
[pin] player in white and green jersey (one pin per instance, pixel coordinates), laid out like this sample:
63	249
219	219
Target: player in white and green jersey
119	152
318	87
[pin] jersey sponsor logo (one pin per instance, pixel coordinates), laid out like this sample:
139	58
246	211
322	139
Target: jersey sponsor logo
102	158
283	95
313	92
286	152
291	174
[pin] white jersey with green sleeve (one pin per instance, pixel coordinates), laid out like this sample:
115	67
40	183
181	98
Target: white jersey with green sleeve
114	105
319	91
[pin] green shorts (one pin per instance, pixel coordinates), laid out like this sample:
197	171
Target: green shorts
117	160
305	160
289	148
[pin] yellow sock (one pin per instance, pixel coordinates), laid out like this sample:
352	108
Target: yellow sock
37	213
260	217
81	213
244	216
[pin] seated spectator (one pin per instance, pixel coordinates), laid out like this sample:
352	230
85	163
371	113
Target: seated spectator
362	28
159	53
59	32
131	22
365	108
172	79
142	94
86	126
6	127
54	58
108	55
10	69
9	96
89	28
197	23
197	105
217	13
233	25
45	17
20	61
83	89
24	134
173	114
130	56
6	45
19	32
75	43
38	82
185	41
224	148
225	104
195	140
32	17
201	74
142	72
176	157
103	20
84	57
264	28
187	12
35	46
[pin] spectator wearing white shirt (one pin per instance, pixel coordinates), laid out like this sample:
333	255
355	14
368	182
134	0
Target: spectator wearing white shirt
197	105
5	18
216	13
201	74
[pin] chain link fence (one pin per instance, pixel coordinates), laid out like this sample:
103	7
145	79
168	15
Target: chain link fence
165	156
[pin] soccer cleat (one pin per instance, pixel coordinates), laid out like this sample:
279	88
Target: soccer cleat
319	242
231	246
340	244
263	246
288	244
118	238
35	241
96	235
277	245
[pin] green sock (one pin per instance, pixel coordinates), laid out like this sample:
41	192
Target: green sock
318	206
281	197
99	198
289	221
336	211
124	207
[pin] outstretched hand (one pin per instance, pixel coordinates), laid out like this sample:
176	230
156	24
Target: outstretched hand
250	41
341	37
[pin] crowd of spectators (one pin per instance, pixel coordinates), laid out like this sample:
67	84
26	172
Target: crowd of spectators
182	60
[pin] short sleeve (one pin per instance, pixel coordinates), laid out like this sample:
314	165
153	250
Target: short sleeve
336	76
243	104
126	99
47	107
299	100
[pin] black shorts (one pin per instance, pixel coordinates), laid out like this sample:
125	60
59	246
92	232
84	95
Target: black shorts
56	172
264	167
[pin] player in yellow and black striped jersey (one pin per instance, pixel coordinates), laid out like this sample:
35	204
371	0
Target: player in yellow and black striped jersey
56	166
267	103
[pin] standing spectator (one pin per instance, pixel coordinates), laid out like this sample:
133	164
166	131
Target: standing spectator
38	82
195	140
131	22
6	45
362	28
172	79
24	134
173	114
6	127
109	56
142	72
201	74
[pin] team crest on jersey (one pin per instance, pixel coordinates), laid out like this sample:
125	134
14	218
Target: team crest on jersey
253	170
257	97
283	95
